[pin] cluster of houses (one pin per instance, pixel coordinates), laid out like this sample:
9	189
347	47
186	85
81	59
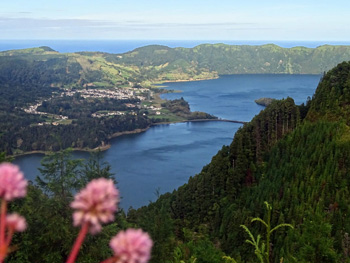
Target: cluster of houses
33	109
155	109
116	93
55	123
105	114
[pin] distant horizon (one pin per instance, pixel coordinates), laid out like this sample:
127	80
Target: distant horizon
126	45
160	39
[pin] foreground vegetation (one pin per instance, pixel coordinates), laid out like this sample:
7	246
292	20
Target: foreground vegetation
94	205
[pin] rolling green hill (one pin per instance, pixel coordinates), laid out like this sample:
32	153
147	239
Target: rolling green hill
43	66
227	59
150	64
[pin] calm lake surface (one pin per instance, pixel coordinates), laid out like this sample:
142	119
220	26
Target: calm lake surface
165	156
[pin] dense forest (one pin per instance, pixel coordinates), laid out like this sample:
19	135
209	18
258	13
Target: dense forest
20	132
295	158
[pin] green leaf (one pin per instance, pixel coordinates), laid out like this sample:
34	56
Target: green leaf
281	225
259	220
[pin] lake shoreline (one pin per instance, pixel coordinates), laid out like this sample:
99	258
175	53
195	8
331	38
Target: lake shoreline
105	147
156	83
102	147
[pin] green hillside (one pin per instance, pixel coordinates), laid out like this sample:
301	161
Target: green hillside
43	66
150	64
228	59
295	157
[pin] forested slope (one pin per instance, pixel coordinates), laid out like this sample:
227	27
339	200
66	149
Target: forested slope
149	64
295	157
229	59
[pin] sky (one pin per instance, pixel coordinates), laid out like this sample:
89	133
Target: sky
306	20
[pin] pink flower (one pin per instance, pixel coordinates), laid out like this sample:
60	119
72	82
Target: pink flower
12	182
16	222
95	204
131	246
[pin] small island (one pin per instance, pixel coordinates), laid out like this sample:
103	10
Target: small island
264	101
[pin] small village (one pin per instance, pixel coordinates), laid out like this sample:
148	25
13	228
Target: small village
116	93
143	94
33	110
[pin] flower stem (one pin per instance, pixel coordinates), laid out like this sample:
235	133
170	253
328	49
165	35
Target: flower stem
10	233
78	242
3	247
3	221
109	260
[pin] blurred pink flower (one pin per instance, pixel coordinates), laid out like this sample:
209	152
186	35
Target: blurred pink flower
16	222
12	182
131	246
96	204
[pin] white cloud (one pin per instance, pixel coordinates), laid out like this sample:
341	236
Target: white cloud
176	26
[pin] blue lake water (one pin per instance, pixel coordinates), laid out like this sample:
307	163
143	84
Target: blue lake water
165	156
232	96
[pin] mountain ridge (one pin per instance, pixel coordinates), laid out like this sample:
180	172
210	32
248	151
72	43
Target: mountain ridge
157	63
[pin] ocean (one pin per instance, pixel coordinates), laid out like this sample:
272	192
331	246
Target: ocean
122	46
